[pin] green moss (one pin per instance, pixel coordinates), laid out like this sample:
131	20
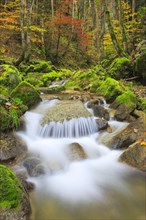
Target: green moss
9	119
142	104
120	68
41	66
27	93
128	98
33	81
11	193
10	76
4	91
110	89
56	89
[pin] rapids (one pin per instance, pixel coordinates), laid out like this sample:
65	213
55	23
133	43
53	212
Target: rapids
98	187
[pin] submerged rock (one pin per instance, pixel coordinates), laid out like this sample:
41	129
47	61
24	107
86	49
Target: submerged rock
76	152
135	156
34	166
65	110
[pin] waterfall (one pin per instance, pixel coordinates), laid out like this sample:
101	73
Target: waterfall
78	189
76	127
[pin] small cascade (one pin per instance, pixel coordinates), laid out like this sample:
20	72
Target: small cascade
76	127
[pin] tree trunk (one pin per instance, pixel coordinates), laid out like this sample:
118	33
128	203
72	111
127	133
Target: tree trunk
116	44
123	31
28	37
102	32
22	23
133	9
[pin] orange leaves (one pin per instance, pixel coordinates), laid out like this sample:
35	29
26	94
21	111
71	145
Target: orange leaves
8	20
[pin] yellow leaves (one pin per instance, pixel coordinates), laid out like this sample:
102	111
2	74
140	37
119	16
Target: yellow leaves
37	29
143	143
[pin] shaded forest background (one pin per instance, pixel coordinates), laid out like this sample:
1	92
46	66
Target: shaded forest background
71	33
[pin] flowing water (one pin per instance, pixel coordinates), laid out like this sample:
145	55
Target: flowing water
98	187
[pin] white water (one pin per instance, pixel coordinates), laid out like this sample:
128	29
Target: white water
86	183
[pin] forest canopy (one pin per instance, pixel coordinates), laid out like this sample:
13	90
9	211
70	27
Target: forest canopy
71	32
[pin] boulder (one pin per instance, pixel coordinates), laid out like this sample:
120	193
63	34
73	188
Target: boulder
135	155
11	148
76	152
123	113
101	123
123	139
14	203
9	76
34	166
101	112
65	110
27	93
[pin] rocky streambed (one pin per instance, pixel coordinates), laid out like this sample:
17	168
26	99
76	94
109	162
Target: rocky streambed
131	140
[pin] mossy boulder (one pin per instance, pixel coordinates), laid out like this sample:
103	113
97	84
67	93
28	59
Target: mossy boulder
9	76
11	193
128	98
27	93
142	104
10	112
110	89
120	68
9	119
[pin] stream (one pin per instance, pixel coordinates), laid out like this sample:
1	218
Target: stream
98	187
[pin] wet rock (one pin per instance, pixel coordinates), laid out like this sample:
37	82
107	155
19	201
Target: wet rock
65	110
101	112
101	123
11	148
28	186
34	166
123	139
76	152
135	156
123	113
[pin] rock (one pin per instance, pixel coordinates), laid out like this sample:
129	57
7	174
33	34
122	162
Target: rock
65	110
123	113
101	112
101	123
123	139
27	93
14	203
34	166
11	76
135	156
11	148
75	152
